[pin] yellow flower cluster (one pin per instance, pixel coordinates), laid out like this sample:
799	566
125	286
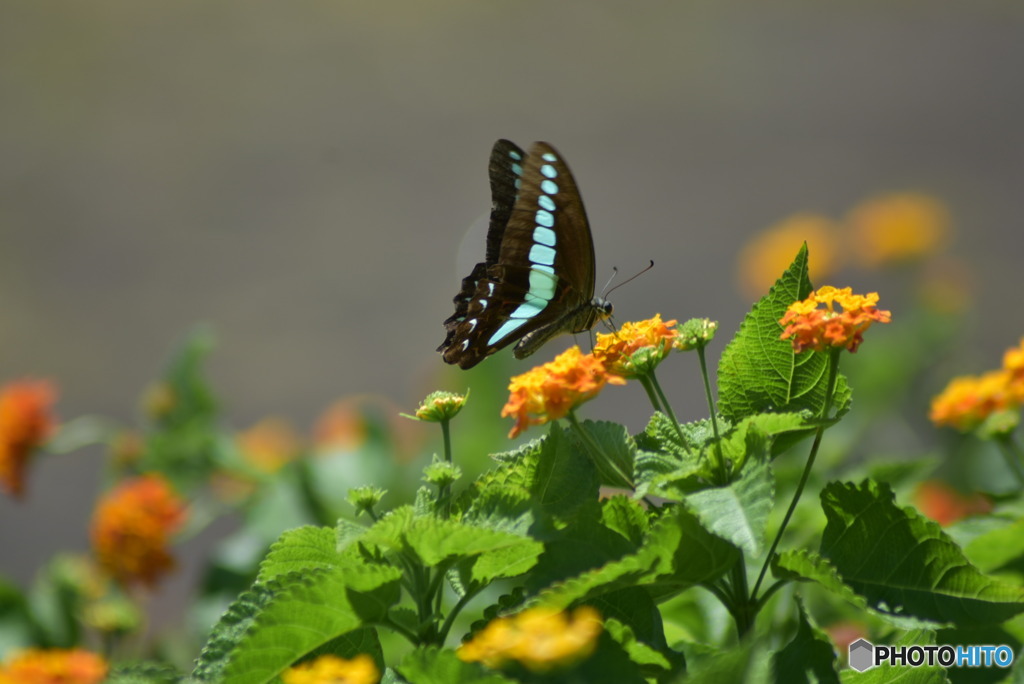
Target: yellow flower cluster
330	669
970	399
541	639
898	227
821	329
616	350
25	423
54	666
132	526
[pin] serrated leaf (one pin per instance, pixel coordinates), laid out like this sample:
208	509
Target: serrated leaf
430	665
760	373
302	548
615	446
677	554
627	517
905	564
806	565
435	542
229	630
308	611
809	657
565	478
739	512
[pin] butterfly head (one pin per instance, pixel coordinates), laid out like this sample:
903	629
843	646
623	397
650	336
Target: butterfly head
602	306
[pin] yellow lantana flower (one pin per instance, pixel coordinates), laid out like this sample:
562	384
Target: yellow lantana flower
616	350
550	391
817	329
330	669
898	227
770	252
541	639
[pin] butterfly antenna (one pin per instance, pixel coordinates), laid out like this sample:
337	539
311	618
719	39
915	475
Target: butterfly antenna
615	272
628	280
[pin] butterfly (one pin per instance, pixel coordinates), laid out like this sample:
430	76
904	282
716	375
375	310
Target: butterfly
537	278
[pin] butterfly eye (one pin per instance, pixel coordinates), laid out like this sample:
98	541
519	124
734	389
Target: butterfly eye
607	309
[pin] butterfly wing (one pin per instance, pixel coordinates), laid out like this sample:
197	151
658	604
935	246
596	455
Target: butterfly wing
539	268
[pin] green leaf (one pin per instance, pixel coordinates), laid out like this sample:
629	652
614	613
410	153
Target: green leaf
430	665
759	372
905	564
748	663
436	542
143	672
806	565
614	442
306	611
739	512
677	554
997	548
229	630
565	478
627	517
302	548
809	657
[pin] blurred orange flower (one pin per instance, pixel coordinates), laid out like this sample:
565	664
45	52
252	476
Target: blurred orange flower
269	444
131	529
945	505
330	669
969	399
820	329
615	350
550	391
53	666
26	421
898	227
765	257
542	639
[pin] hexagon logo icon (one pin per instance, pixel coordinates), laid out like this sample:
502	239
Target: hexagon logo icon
862	654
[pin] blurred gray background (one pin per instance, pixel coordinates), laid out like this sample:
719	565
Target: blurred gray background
303	177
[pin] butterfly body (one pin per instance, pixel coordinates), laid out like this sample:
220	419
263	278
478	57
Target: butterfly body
537	279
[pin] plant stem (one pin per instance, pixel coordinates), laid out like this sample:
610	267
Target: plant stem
722	473
445	493
645	382
598	457
741	613
456	609
833	373
667	407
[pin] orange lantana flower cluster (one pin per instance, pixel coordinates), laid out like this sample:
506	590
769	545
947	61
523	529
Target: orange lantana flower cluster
541	639
615	350
550	391
970	399
54	666
330	669
26	422
819	329
132	526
